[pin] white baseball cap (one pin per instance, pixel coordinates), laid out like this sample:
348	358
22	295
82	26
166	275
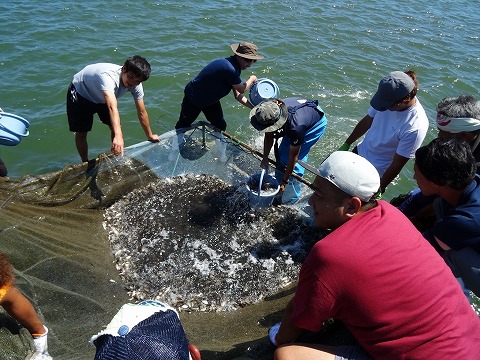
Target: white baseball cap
349	172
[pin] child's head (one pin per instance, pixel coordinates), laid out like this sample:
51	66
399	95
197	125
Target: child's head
138	67
6	274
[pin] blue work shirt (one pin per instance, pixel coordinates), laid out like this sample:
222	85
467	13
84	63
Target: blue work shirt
214	82
459	226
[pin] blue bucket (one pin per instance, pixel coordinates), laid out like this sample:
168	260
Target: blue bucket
264	89
8	139
270	188
12	129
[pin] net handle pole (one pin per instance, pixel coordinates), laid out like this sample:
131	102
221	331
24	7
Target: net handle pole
258	153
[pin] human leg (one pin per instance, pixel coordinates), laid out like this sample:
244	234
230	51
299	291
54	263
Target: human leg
214	114
3	169
293	189
80	119
188	114
321	352
82	145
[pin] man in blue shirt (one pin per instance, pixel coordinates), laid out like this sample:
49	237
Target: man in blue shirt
446	168
300	123
215	81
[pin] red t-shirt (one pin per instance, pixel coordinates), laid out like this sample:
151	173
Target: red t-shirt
395	294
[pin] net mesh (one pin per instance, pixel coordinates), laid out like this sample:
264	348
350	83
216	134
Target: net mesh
59	230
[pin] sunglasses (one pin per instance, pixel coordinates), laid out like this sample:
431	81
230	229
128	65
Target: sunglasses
249	61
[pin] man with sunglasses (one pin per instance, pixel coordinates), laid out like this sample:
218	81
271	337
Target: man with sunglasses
394	127
215	81
95	90
375	273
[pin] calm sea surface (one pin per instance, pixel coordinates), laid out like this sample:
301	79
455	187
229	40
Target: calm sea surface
334	51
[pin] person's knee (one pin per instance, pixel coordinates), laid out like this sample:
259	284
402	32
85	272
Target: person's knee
81	135
282	353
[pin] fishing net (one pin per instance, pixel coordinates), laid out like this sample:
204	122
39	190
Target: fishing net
153	224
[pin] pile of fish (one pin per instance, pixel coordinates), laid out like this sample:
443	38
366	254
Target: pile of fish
193	242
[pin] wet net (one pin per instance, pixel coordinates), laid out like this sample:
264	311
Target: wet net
153	224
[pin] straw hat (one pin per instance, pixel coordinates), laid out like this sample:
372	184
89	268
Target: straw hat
246	50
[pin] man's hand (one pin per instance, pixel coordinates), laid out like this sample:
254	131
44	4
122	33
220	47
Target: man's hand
154	138
117	145
344	147
41	347
264	164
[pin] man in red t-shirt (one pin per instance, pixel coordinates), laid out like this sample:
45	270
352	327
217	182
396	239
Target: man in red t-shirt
376	274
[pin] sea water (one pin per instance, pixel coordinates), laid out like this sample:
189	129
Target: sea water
335	52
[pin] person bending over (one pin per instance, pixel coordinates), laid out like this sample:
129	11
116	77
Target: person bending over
375	273
95	90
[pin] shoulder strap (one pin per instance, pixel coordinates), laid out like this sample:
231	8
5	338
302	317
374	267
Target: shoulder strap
309	103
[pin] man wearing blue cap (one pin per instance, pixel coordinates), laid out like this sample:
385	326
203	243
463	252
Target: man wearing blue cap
394	127
150	330
375	273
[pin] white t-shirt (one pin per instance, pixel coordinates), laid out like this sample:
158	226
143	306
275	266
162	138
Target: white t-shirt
95	78
400	132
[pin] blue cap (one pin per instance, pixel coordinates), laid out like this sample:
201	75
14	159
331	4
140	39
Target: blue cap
391	89
159	337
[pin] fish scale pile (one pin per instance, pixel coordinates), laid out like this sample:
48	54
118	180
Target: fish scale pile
193	242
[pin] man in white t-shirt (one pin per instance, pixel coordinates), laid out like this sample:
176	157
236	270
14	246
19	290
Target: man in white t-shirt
394	127
95	90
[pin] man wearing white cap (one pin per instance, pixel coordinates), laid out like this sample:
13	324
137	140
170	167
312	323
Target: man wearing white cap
394	127
375	273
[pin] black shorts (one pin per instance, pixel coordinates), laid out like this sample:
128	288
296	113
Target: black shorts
189	113
80	112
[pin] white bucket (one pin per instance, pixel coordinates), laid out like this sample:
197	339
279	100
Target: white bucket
264	89
265	197
12	128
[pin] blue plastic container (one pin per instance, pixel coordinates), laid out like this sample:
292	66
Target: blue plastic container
265	197
12	129
8	139
264	89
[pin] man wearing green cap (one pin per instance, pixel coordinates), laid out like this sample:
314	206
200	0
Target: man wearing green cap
299	123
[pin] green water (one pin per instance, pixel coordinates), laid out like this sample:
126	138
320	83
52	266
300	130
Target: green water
335	52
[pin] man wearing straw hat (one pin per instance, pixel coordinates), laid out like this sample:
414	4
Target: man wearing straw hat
215	81
375	273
